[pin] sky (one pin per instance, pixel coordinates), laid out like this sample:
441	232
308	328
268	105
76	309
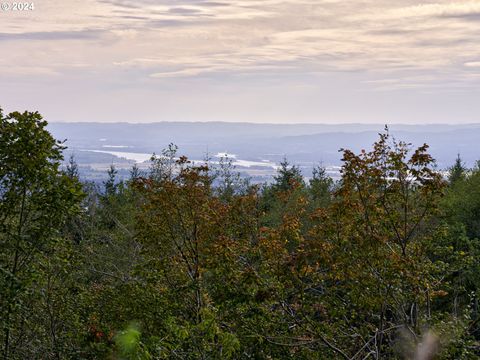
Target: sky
274	61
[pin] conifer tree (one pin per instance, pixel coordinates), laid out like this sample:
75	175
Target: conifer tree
457	171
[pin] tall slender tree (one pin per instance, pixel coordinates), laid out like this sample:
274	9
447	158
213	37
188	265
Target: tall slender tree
35	198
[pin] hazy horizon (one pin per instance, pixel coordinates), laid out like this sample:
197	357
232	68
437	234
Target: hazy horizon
263	123
303	144
260	123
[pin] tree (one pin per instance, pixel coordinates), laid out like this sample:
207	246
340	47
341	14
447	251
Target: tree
72	168
178	227
288	186
135	173
227	181
321	186
463	203
374	246
111	185
457	171
287	177
35	199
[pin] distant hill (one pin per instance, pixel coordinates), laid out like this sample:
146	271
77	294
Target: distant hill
303	144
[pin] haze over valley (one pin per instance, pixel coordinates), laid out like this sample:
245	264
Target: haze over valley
254	149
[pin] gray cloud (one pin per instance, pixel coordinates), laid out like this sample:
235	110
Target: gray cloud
53	35
214	4
185	11
135	4
241	51
471	16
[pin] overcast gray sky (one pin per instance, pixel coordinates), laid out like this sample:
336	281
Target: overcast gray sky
324	61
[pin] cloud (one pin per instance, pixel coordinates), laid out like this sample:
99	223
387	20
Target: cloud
53	35
148	45
460	8
14	71
472	64
179	73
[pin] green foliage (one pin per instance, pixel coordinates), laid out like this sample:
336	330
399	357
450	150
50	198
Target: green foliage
111	185
463	203
192	262
129	345
72	168
457	172
321	187
35	201
287	177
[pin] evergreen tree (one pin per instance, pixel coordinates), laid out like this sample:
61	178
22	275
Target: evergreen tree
134	173
111	183
457	171
287	177
72	168
321	186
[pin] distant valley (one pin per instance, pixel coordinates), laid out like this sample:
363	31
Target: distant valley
255	149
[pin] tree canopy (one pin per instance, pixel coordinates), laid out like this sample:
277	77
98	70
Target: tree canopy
190	261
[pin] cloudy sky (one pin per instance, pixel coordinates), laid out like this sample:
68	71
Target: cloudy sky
330	61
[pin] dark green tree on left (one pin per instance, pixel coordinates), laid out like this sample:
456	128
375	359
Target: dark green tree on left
36	198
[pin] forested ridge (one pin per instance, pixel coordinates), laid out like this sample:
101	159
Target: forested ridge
191	261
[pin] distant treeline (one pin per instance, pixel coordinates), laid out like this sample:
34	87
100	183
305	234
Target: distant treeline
186	261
